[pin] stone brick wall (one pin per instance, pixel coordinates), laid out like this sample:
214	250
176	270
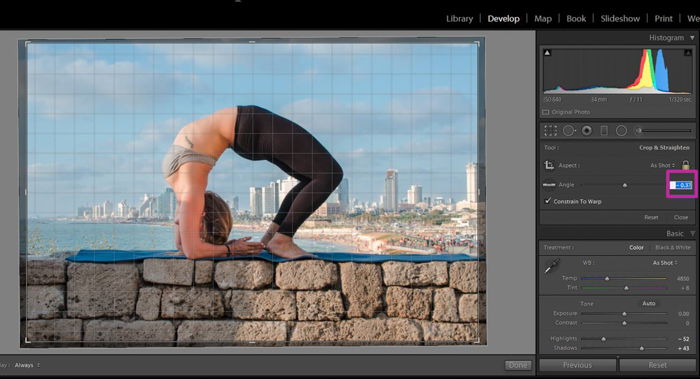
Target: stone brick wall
178	302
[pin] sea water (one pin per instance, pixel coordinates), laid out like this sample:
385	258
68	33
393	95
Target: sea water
48	236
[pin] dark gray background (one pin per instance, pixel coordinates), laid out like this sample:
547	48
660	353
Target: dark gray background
510	182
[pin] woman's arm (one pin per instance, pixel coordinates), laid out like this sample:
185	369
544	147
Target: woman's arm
191	198
190	224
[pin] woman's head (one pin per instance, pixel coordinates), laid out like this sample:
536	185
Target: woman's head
216	221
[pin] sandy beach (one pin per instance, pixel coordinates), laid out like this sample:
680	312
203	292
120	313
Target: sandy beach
344	236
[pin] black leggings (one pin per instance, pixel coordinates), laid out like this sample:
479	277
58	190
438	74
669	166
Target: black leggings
261	134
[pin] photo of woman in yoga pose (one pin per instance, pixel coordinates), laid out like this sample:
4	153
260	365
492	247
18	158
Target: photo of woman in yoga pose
203	219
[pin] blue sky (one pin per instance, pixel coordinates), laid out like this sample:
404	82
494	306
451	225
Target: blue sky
101	116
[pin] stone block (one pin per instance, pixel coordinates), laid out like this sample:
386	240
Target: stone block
315	333
53	333
472	307
203	272
43	302
320	305
446	333
306	275
116	333
392	331
362	286
263	305
45	271
169	271
191	303
408	302
445	305
225	332
102	289
411	274
469	277
243	274
148	305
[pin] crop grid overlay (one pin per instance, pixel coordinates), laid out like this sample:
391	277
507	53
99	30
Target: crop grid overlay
400	116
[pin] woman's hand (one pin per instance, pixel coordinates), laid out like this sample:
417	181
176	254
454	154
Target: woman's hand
241	246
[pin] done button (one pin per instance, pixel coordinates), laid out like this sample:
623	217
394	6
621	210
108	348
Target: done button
518	365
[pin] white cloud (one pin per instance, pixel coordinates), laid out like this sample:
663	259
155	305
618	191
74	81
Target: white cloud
59	172
431	110
61	85
155	136
220	57
206	56
439	144
327	49
324	116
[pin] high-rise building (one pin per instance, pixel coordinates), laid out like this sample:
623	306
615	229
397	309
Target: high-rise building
97	211
275	190
234	204
333	198
381	201
285	185
338	201
85	212
145	207
415	194
343	194
122	209
391	190
427	201
165	204
268	200
471	182
172	205
328	209
255	201
106	209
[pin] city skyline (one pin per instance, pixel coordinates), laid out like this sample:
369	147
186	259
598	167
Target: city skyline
161	206
101	116
265	200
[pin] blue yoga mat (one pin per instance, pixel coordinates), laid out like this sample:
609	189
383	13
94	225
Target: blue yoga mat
107	256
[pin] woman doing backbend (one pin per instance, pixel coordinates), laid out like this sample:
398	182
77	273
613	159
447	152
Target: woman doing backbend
203	221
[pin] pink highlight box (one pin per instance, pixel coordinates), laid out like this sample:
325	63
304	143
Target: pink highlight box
694	195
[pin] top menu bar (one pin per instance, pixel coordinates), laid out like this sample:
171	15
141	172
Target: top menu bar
576	19
276	15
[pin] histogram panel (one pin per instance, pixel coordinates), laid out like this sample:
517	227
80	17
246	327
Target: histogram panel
618	71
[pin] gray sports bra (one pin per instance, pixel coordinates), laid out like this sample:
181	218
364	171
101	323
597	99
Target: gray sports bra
177	155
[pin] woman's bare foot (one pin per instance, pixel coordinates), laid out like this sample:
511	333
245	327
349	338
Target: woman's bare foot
271	230
285	247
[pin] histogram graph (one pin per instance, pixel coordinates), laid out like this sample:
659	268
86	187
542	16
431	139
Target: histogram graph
618	71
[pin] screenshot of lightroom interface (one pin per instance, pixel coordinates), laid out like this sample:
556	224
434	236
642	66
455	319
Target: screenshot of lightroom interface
252	188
